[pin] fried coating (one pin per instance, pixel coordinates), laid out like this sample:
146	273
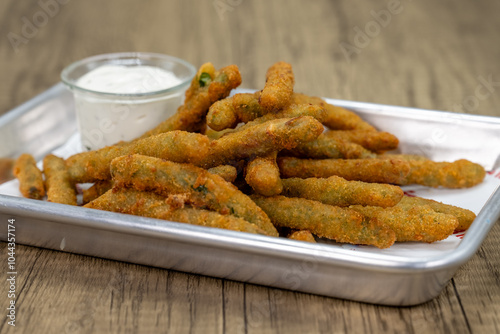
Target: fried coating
30	177
366	170
325	147
227	113
263	175
458	174
206	87
465	217
204	189
278	89
6	166
340	192
60	189
327	221
337	118
96	190
262	139
375	141
227	172
178	146
290	111
147	204
302	235
412	223
406	157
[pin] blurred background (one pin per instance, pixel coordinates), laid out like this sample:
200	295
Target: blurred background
423	54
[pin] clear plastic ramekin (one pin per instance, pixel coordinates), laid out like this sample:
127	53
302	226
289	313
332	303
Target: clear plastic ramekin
107	118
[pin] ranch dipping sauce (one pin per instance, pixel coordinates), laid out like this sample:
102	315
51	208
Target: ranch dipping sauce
119	101
121	79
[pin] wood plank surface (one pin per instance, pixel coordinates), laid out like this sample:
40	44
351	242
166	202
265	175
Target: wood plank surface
441	55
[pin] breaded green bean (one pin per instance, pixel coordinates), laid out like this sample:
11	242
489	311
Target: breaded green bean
325	147
465	217
139	203
290	111
207	87
60	188
221	115
204	189
406	157
327	221
340	192
278	89
96	190
337	118
412	223
262	139
459	174
227	113
375	141
263	175
302	235
29	176
366	170
227	172
178	146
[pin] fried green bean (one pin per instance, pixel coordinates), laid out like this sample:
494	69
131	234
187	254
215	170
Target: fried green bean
59	187
178	146
278	89
302	235
30	177
204	189
227	172
327	221
465	217
340	192
406	157
366	170
263	175
412	223
290	111
337	118
147	204
96	190
262	139
458	174
325	147
227	113
376	141
206	87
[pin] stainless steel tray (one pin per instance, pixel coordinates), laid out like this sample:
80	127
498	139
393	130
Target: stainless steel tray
47	121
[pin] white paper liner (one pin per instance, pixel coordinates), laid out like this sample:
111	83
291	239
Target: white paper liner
471	198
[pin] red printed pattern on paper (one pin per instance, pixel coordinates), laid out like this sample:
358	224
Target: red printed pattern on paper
410	193
494	173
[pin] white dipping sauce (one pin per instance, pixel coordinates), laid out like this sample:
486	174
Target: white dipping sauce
107	119
119	79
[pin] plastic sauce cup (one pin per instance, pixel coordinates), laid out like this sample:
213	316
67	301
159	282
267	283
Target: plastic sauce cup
119	96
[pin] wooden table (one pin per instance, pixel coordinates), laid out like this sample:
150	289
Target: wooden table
424	54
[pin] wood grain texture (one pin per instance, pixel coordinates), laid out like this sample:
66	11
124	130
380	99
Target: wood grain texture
426	54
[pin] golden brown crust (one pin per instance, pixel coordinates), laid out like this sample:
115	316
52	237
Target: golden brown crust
31	184
366	170
60	188
278	89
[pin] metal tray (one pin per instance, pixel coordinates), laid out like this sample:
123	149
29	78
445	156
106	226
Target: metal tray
47	121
